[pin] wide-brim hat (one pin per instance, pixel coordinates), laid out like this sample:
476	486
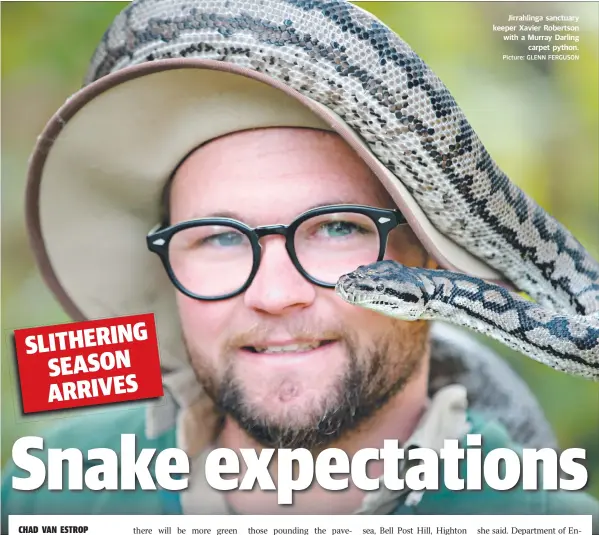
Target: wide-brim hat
99	169
169	76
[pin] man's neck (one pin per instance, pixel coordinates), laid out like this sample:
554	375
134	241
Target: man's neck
396	420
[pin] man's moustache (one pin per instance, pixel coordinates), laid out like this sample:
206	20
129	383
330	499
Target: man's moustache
268	331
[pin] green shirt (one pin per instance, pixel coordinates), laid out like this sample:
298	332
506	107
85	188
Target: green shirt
104	431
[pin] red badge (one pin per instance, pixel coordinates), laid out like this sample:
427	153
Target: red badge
88	363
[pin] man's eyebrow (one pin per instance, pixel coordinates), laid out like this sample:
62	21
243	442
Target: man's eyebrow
237	216
227	214
330	203
220	213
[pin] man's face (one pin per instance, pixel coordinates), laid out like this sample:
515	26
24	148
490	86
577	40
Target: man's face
293	394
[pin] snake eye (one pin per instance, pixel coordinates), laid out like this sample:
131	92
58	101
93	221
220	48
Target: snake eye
380	287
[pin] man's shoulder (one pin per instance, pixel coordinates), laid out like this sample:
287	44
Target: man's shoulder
488	500
102	429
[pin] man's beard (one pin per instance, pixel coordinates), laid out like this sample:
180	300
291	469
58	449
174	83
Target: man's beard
368	383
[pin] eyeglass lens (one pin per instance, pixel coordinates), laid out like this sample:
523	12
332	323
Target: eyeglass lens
216	260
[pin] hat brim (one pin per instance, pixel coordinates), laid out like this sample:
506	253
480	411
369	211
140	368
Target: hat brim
98	170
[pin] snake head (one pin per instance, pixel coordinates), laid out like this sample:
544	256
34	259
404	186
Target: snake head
386	287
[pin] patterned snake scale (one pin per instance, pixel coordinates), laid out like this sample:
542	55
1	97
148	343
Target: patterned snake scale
344	58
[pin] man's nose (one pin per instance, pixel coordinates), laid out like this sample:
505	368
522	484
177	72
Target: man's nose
278	286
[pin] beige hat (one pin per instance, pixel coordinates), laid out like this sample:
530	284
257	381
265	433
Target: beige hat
167	77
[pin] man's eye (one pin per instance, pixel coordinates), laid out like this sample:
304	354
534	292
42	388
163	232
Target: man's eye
337	229
225	239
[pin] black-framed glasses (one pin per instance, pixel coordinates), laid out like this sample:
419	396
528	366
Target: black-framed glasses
218	258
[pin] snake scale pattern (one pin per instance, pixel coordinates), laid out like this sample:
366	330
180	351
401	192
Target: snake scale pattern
344	58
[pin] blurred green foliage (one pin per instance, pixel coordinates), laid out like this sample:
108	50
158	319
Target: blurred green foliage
539	120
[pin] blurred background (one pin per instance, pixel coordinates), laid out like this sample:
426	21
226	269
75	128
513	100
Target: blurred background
538	119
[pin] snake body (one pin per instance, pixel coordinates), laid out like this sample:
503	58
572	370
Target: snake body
564	342
343	57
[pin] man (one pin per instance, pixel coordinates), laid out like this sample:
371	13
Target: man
260	199
291	365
